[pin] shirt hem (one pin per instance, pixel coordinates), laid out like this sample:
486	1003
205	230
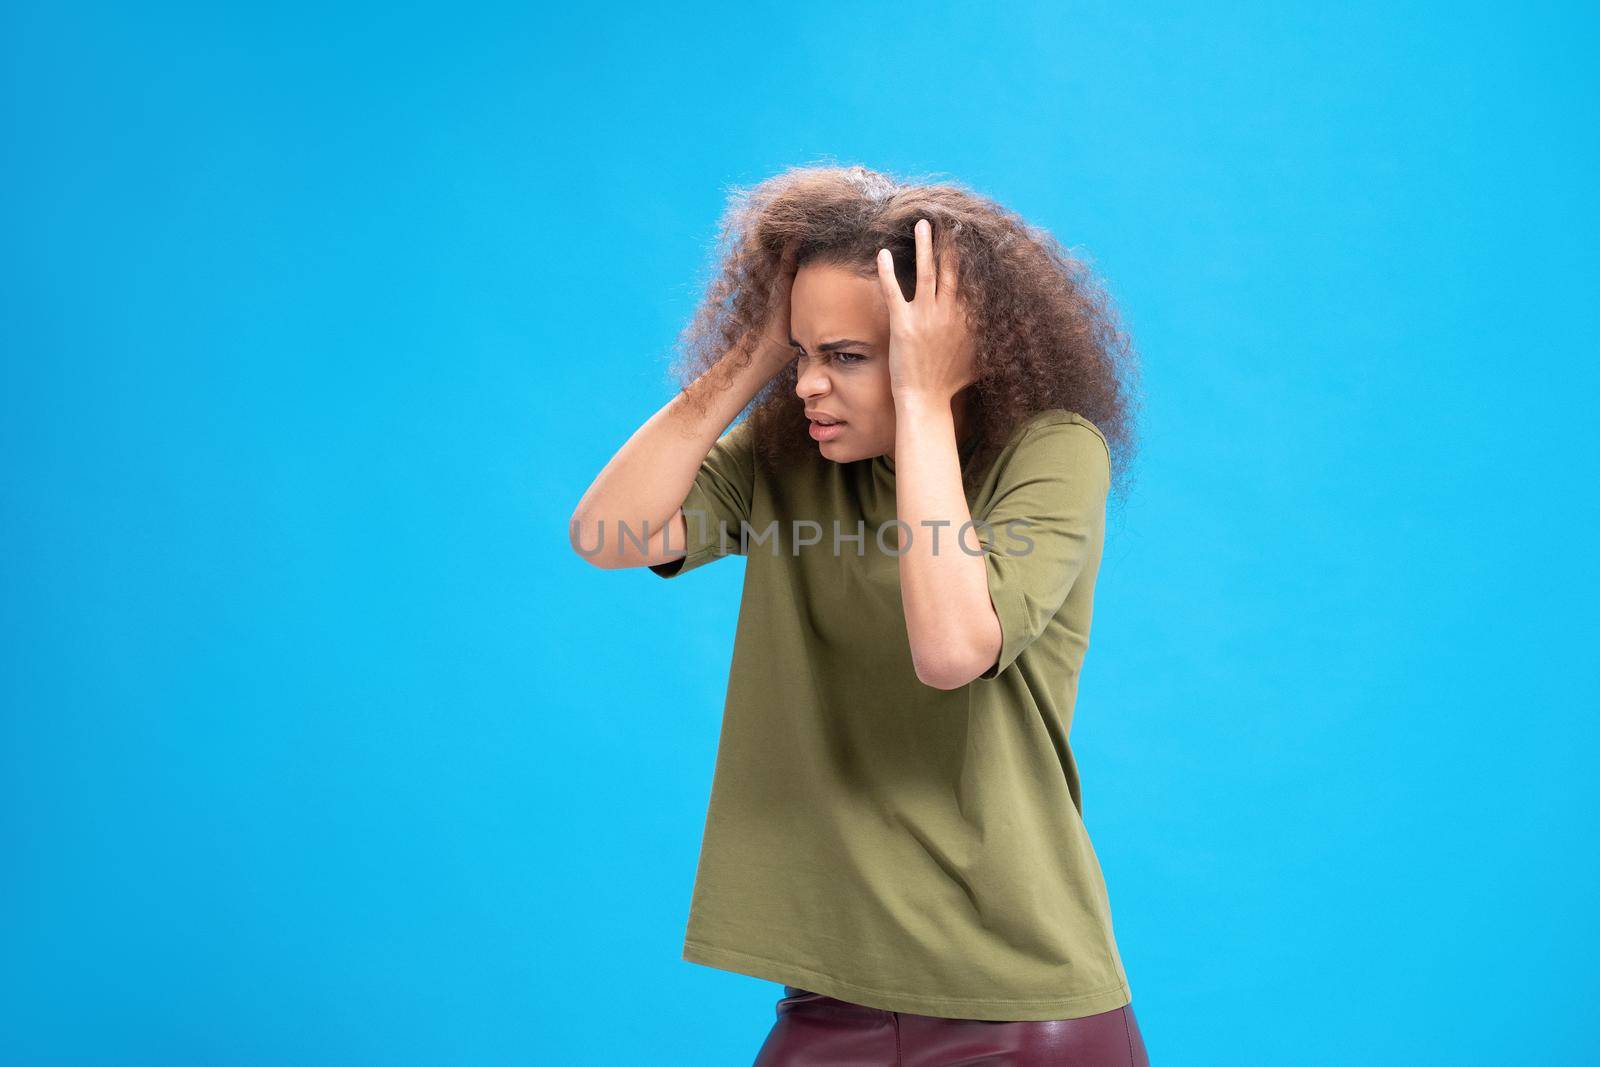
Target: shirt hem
1002	1010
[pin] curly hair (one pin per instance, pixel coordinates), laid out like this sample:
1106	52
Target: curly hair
1046	333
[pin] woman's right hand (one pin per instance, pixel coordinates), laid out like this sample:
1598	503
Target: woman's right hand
773	342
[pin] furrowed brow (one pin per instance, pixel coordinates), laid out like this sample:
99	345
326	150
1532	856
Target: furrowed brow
831	346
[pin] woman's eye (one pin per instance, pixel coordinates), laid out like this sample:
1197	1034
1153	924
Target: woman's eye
848	358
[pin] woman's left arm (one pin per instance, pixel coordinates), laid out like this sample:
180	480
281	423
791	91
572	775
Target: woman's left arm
953	629
944	585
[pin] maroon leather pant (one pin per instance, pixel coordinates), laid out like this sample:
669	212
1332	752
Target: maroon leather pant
814	1030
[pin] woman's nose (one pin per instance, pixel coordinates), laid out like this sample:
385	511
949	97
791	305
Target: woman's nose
809	382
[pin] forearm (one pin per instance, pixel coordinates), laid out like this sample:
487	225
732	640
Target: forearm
650	475
950	622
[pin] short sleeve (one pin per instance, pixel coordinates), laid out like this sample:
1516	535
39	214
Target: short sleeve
718	503
1047	513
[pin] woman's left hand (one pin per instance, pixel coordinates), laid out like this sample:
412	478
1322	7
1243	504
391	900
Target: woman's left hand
930	346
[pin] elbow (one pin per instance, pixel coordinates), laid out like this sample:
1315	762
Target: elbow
946	673
956	667
936	681
586	538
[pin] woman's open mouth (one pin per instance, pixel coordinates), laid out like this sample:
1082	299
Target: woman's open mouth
825	431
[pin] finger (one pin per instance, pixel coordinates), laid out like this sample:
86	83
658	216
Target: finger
949	271
786	259
925	281
887	281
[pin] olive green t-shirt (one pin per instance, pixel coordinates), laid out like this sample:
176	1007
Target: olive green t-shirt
873	838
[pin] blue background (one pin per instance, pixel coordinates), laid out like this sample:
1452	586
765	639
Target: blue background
322	747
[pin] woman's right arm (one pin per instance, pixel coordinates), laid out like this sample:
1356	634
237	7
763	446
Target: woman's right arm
650	476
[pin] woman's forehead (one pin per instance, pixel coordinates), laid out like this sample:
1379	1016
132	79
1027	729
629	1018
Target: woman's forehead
829	302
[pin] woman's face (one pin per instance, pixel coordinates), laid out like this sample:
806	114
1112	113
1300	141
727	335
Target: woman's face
839	324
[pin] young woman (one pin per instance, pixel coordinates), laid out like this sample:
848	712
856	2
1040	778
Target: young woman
941	407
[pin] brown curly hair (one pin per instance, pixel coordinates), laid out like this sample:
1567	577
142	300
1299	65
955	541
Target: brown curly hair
1047	334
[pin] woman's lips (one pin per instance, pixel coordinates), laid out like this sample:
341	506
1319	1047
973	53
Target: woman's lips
820	432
